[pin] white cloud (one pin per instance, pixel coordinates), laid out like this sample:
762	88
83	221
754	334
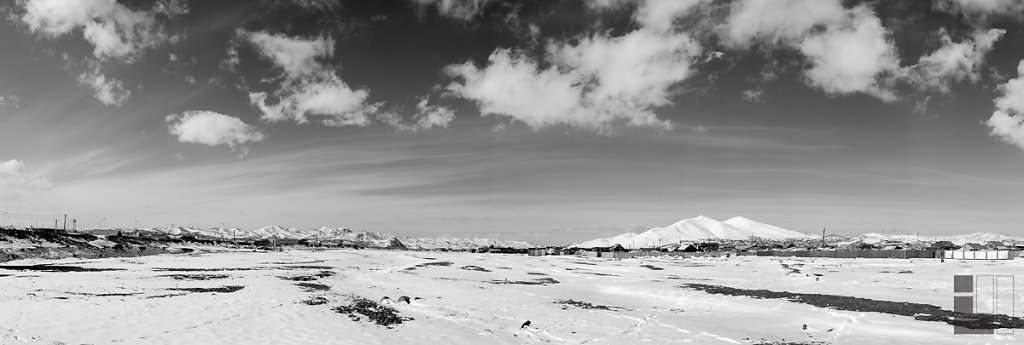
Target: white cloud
592	83
465	10
659	15
109	91
14	175
309	87
979	12
427	116
851	57
848	49
631	73
1007	122
953	61
778	21
321	95
115	31
297	56
512	85
10	101
211	128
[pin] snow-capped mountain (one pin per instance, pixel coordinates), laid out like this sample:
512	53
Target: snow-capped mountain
762	230
977	237
695	229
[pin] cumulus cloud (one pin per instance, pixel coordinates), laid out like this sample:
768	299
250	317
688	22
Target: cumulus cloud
10	101
14	175
295	55
464	10
848	50
309	87
107	90
513	85
778	21
953	61
1007	122
114	31
592	82
979	12
852	57
211	128
427	116
321	95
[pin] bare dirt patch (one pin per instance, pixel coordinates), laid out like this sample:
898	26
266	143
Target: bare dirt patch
222	289
475	268
56	268
313	287
195	276
541	281
372	311
584	305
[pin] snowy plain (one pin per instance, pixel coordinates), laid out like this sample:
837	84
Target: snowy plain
475	299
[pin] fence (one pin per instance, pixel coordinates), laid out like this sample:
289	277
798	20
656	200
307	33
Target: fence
980	255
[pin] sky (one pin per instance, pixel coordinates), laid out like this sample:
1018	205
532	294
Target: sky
546	121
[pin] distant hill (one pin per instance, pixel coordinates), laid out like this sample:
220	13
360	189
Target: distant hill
696	229
977	237
369	238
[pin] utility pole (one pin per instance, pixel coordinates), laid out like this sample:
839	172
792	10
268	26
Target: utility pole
823	237
65	223
74	224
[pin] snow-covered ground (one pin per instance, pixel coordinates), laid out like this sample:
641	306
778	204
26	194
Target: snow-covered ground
475	305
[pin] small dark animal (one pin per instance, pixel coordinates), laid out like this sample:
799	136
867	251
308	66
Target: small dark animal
404	299
805	327
527	323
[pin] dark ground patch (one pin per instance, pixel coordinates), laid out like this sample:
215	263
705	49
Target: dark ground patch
56	268
652	267
195	276
299	278
923	312
167	295
428	264
585	305
475	268
503	268
315	300
313	287
541	281
536	274
222	289
122	294
601	274
176	269
305	267
293	262
584	263
374	312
